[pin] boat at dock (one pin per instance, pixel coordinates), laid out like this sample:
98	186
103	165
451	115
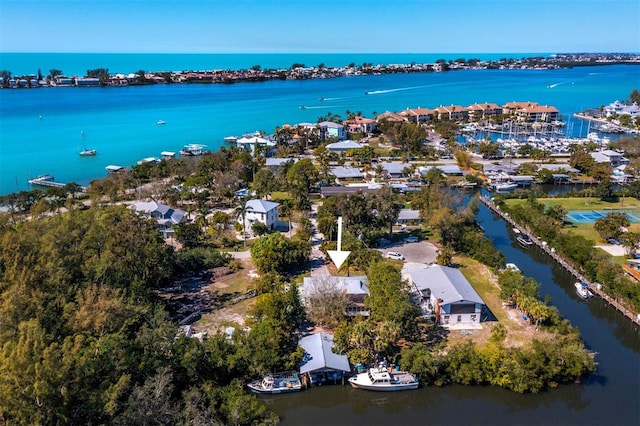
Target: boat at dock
582	289
284	382
524	240
505	186
192	150
384	379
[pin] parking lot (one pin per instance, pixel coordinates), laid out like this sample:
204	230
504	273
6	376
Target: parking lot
421	252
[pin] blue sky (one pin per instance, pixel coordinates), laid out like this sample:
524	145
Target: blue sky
320	26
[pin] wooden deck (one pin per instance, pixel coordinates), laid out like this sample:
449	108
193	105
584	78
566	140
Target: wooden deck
595	289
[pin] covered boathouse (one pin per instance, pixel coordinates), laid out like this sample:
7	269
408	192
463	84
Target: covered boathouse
320	364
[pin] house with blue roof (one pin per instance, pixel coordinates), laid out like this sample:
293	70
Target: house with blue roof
445	294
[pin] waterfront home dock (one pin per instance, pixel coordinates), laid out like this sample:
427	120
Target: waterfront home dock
593	287
48	181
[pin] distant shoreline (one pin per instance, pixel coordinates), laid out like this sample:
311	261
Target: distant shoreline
100	77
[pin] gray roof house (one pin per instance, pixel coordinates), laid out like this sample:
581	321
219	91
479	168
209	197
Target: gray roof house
444	293
343	146
319	361
346	173
162	213
356	288
395	170
261	211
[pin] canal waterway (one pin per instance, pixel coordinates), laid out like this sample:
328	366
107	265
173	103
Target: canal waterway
609	397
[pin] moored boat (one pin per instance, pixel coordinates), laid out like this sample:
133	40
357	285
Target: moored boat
505	186
524	240
582	289
384	379
284	382
88	152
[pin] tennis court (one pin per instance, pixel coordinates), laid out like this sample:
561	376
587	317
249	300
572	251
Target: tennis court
590	216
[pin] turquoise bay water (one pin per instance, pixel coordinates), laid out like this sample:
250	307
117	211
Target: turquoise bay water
121	122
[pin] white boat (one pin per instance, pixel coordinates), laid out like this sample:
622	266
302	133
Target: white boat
524	240
192	150
583	290
384	379
505	186
161	122
511	267
86	152
277	383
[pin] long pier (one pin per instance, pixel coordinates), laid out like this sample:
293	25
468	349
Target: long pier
49	182
633	316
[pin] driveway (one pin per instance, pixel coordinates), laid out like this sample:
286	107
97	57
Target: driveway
421	252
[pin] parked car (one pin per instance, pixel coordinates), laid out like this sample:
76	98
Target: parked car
411	239
395	256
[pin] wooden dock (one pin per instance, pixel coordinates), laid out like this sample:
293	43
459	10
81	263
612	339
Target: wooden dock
593	287
49	182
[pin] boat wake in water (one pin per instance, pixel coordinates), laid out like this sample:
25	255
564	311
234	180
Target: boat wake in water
379	92
319	107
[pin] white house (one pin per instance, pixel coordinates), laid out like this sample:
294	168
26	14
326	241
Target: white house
260	211
329	129
609	156
445	294
164	215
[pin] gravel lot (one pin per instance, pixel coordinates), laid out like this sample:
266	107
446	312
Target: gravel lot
421	252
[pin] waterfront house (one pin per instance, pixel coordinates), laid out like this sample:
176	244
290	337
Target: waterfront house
452	112
320	363
538	113
444	294
618	108
250	142
262	211
354	288
609	156
482	111
165	216
418	115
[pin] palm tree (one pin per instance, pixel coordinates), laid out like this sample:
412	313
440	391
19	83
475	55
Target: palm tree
286	207
240	212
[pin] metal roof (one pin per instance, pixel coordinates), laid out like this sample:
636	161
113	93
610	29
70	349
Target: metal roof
319	355
445	283
260	206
